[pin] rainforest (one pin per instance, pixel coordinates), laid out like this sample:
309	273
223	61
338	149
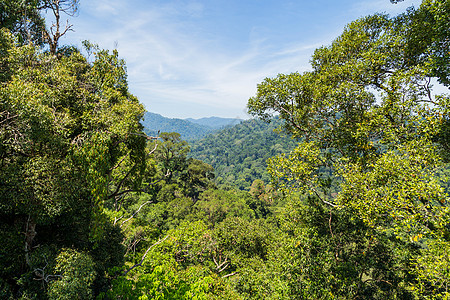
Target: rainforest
337	188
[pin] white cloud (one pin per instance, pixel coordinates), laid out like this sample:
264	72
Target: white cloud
169	59
174	58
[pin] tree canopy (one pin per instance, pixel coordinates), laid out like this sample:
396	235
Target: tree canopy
92	207
368	112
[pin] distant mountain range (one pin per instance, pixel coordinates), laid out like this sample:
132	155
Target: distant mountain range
215	122
189	129
237	149
239	154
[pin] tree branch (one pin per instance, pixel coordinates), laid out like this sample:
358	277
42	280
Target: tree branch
135	213
228	275
143	256
321	199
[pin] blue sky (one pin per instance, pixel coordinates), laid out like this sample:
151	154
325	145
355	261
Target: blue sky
205	58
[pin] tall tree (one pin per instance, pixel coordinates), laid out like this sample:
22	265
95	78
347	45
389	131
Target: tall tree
52	34
23	18
67	128
367	111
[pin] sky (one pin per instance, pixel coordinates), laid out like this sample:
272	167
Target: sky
194	59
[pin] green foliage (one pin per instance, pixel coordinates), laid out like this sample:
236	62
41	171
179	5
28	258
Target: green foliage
170	271
241	239
368	116
66	127
238	154
171	154
76	274
332	254
90	206
154	123
432	14
23	19
214	206
197	177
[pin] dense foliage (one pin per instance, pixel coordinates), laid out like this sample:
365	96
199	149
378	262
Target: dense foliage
368	112
66	127
92	207
239	153
154	123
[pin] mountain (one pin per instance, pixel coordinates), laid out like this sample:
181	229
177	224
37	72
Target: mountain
189	129
216	122
154	122
239	153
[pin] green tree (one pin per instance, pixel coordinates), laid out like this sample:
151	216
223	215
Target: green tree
67	127
171	154
75	275
23	19
197	178
367	112
329	254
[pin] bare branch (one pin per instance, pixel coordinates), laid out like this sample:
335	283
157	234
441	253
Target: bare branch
153	150
228	275
68	27
135	213
221	264
7	117
145	254
52	36
291	118
226	266
117	219
321	199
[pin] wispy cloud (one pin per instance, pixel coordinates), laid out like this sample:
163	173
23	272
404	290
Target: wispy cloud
170	59
176	58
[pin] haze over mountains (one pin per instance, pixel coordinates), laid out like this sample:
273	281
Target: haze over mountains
237	149
189	129
215	122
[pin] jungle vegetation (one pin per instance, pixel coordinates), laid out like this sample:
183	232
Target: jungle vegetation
93	207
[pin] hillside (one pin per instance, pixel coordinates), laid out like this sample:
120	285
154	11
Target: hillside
215	122
188	130
239	153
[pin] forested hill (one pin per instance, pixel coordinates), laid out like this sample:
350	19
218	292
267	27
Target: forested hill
154	122
189	129
215	122
239	153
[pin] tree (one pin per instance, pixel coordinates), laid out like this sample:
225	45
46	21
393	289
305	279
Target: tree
75	276
55	31
329	253
197	178
171	154
67	128
367	112
23	18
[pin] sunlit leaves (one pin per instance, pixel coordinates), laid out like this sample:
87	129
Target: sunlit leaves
375	122
70	136
299	169
400	188
74	276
